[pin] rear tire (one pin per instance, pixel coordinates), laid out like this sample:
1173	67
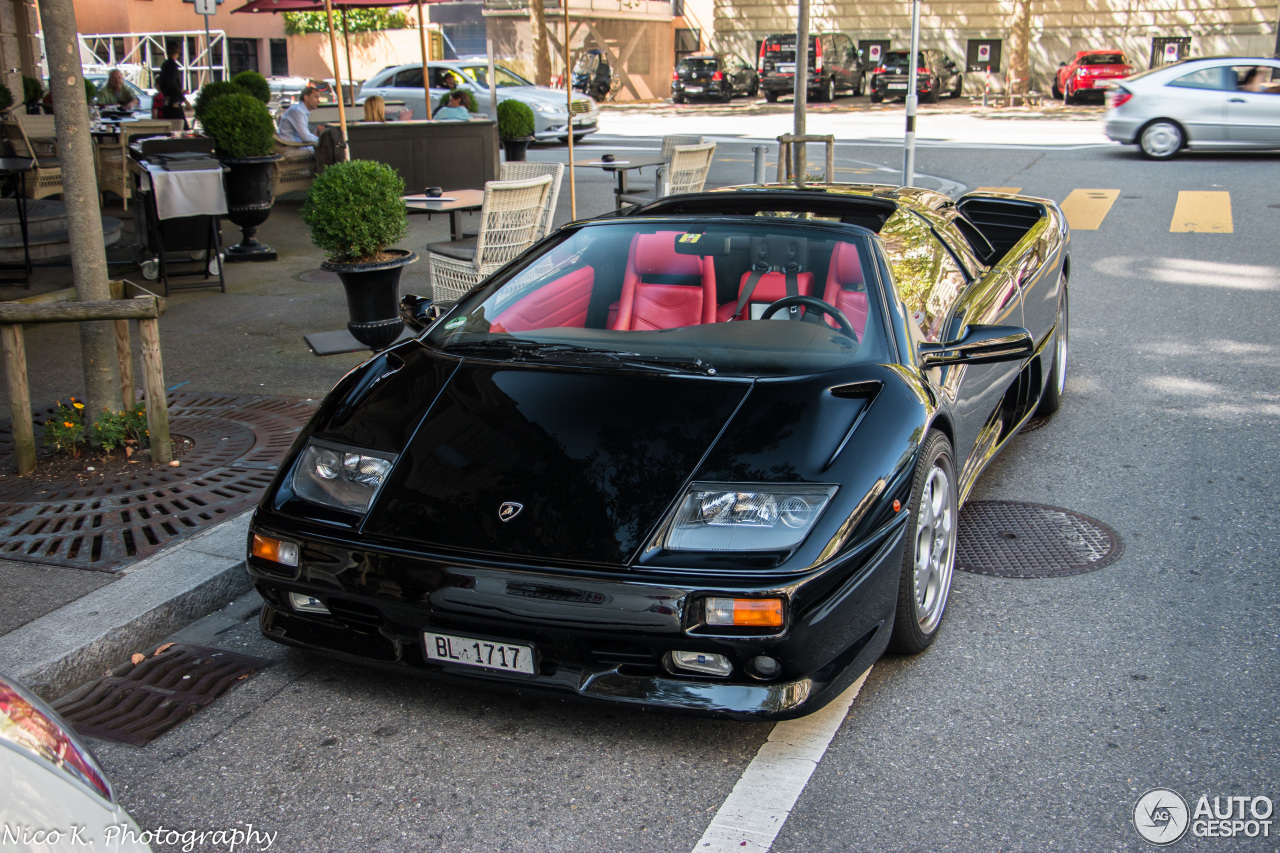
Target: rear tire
1051	398
931	97
827	93
928	561
771	97
955	93
754	90
1160	140
876	97
860	89
677	99
1057	93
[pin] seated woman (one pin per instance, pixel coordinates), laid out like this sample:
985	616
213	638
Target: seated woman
457	108
375	109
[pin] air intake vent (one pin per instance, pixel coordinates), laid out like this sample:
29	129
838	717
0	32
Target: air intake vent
857	390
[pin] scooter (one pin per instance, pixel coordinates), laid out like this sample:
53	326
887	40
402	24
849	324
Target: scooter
592	75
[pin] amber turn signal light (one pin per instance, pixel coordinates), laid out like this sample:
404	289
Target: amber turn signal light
745	612
275	550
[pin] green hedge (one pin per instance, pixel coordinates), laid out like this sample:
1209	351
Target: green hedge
253	83
240	126
515	119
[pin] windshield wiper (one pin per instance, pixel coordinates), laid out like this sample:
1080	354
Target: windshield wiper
575	354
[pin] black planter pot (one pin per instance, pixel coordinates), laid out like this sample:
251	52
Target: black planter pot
373	297
249	199
516	149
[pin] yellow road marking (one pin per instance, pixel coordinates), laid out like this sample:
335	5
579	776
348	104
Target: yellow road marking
1085	209
1206	212
1009	190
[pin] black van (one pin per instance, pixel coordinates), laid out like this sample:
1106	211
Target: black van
835	65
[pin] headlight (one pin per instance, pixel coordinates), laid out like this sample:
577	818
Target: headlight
344	478
739	517
548	109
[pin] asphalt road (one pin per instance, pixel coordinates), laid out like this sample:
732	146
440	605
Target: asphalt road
1035	722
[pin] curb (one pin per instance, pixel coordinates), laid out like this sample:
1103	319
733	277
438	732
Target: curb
160	595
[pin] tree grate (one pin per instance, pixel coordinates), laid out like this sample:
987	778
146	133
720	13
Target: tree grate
1021	540
136	703
238	442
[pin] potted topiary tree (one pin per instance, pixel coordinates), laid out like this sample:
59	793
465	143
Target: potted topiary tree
210	92
32	94
515	128
355	210
253	83
244	141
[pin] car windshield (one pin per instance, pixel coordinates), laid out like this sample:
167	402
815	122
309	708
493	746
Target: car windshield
502	76
676	296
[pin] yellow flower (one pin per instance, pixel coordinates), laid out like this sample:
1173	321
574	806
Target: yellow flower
79	405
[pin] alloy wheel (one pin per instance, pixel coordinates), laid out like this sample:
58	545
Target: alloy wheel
935	549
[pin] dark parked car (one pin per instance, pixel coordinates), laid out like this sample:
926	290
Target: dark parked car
835	65
1090	72
719	76
610	471
936	75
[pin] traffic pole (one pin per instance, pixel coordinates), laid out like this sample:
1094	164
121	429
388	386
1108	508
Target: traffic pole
909	144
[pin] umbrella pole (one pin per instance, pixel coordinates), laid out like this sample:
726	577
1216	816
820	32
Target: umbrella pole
426	72
568	100
346	41
342	112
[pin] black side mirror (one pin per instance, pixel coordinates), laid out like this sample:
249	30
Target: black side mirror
980	345
416	312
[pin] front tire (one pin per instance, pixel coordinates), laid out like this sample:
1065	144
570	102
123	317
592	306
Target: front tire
861	88
928	561
1057	92
1051	398
1160	140
828	92
771	97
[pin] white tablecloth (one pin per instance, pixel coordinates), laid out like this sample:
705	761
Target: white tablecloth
197	192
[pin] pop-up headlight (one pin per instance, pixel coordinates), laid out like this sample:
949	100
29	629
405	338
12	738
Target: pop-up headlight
345	478
739	517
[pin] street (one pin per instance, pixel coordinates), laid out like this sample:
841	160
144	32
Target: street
1046	708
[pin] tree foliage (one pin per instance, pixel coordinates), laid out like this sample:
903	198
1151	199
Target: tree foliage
358	21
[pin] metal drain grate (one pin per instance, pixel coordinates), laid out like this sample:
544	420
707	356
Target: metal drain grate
237	443
1021	540
1034	424
136	704
318	277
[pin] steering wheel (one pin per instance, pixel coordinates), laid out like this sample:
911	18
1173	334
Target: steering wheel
846	328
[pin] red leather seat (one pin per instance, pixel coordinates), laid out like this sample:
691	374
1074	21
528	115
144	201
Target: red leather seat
771	287
560	304
846	288
662	289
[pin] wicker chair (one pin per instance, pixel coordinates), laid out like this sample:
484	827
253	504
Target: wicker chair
686	173
296	171
46	178
520	171
41	133
510	220
113	158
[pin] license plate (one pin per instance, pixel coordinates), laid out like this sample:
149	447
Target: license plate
787	67
468	651
896	86
693	88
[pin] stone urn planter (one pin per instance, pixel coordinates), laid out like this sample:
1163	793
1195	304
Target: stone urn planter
373	297
249	199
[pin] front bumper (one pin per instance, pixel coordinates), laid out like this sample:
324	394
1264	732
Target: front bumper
596	634
708	89
558	128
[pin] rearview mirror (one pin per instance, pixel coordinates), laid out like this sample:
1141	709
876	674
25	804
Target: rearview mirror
980	345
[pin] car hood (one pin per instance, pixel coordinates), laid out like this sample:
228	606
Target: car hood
592	459
527	94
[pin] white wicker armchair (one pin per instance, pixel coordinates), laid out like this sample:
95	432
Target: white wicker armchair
510	220
685	173
521	171
46	178
297	168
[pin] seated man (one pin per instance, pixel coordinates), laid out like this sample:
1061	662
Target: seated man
457	108
294	123
115	93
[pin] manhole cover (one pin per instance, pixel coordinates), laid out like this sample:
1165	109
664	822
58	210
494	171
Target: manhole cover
237	443
136	704
1020	540
318	277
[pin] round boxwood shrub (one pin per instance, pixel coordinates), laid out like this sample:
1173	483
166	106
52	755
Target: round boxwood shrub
253	83
468	100
210	92
6	98
240	126
515	119
32	90
355	210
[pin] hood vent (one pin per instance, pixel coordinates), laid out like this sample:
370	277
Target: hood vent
857	390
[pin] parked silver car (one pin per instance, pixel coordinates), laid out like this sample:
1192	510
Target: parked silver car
1216	103
551	118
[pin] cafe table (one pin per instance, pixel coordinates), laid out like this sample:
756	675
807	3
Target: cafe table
451	202
13	173
620	167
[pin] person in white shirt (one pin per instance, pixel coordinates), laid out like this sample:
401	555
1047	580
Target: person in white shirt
294	123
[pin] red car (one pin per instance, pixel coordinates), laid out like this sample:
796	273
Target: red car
1089	73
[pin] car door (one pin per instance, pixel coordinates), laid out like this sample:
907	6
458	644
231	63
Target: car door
406	86
1253	118
1198	100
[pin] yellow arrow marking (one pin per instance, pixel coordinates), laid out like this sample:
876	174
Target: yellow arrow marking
1085	209
1206	212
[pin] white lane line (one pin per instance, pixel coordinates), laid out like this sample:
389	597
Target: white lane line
760	803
